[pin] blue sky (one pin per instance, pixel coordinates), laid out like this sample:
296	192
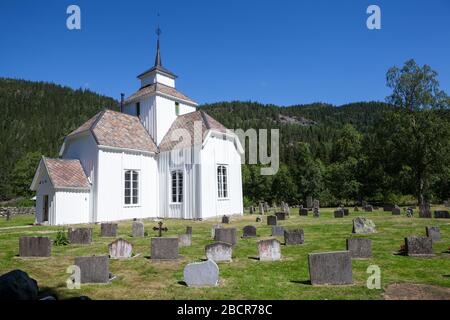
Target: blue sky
281	52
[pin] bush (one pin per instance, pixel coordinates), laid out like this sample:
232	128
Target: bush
61	239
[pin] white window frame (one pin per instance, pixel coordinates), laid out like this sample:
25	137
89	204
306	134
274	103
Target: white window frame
132	194
179	192
223	182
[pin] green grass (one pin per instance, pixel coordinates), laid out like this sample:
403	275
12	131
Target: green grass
244	278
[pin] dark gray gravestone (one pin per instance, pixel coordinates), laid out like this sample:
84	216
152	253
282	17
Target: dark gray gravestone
225	219
271	220
219	252
93	269
108	229
396	211
188	230
434	233
441	214
17	285
277	231
332	268
339	213
346	212
80	235
303	212
214	228
294	236
227	235
280	216
249	232
359	247
120	249
138	229
164	248
201	274
269	250
35	247
419	246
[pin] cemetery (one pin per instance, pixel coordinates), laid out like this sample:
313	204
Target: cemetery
236	257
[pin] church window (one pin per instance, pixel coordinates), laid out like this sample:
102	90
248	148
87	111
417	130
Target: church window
131	195
177	186
138	109
177	108
222	181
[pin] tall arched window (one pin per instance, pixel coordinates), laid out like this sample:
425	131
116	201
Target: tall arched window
131	195
177	186
222	181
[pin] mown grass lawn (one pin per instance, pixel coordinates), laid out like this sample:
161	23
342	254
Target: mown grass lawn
245	277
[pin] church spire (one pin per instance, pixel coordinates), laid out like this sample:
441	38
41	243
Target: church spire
158	53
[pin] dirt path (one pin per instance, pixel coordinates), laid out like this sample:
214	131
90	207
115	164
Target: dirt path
407	291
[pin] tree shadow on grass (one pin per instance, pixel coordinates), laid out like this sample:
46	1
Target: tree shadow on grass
254	258
182	283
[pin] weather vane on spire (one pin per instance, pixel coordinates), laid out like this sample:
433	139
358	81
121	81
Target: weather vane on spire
158	29
158	54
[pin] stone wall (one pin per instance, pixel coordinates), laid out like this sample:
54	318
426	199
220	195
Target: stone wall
16	211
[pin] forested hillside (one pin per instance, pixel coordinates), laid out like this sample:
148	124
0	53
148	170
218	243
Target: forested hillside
34	118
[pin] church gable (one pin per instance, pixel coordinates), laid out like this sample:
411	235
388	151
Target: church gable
191	123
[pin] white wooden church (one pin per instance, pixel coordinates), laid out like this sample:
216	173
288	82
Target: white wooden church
133	163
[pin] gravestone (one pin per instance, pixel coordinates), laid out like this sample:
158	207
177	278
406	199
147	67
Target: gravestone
266	207
258	219
368	208
441	214
120	249
434	233
164	248
160	228
94	269
280	216
419	246
396	211
346	212
269	250
80	235
277	231
339	213
261	208
252	210
35	247
138	229
409	212
108	229
359	247
286	209
188	230
316	203
303	211
227	235
309	202
332	268
219	252
201	274
363	225
225	219
213	230
425	210
316	213
184	240
271	220
249	232
294	237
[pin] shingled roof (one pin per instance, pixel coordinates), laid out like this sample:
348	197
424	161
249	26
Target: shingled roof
119	130
158	88
66	173
187	122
